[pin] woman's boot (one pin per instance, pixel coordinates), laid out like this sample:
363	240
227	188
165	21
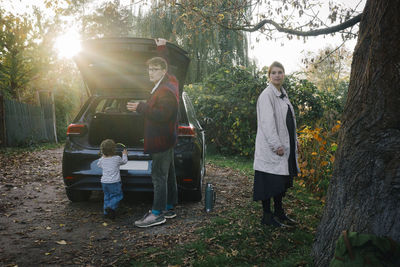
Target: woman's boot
283	218
268	219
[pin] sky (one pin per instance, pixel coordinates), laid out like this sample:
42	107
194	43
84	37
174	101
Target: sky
292	52
263	52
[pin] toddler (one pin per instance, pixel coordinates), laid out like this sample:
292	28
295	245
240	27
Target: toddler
111	178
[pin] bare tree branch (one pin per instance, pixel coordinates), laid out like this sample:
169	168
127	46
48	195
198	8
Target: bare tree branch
328	30
279	27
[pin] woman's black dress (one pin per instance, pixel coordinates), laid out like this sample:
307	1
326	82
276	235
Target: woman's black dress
267	185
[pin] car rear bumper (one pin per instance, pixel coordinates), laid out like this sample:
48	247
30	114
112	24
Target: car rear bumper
137	184
92	183
80	170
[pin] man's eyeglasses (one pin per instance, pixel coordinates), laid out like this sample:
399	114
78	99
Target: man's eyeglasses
154	69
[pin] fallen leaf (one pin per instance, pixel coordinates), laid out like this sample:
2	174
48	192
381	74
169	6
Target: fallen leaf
61	242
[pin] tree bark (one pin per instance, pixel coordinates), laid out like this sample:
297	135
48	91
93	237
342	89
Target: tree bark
364	193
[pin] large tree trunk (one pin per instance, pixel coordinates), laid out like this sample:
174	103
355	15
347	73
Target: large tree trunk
364	193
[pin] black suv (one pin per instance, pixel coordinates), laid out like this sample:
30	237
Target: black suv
115	72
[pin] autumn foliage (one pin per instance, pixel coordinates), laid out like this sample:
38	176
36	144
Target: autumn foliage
316	157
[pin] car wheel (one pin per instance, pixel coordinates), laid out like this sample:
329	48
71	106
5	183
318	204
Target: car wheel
190	195
78	195
196	195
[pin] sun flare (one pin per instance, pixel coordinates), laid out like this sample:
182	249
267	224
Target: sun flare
68	45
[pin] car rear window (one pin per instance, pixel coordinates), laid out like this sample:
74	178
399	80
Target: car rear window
118	106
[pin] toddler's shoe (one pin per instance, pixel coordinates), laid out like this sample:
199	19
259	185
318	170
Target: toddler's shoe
110	214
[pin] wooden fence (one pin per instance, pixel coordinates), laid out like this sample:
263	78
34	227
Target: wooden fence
24	124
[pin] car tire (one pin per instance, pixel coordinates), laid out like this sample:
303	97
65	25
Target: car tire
78	195
192	195
195	195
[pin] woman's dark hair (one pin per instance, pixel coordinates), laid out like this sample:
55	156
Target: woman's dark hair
275	64
107	147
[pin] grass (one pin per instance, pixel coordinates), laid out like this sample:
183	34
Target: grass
33	147
234	162
236	238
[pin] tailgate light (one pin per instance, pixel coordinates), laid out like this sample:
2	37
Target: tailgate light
76	129
186	131
69	177
187	179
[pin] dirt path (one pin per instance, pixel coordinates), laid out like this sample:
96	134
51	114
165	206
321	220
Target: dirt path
40	226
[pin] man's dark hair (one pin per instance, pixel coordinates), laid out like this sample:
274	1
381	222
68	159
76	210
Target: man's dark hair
107	147
158	61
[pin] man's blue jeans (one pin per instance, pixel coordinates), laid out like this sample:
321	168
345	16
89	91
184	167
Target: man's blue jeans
164	180
112	195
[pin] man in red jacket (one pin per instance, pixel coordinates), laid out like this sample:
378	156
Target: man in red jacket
160	136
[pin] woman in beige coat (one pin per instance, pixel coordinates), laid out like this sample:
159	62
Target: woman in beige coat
275	159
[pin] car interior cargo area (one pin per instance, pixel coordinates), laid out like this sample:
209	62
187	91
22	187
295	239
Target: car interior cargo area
125	128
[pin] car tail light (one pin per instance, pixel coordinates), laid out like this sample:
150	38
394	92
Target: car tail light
186	131
76	129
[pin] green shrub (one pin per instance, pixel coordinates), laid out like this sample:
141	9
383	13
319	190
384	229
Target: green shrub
305	98
226	106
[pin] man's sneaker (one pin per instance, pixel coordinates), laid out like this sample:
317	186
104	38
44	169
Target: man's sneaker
169	214
150	219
